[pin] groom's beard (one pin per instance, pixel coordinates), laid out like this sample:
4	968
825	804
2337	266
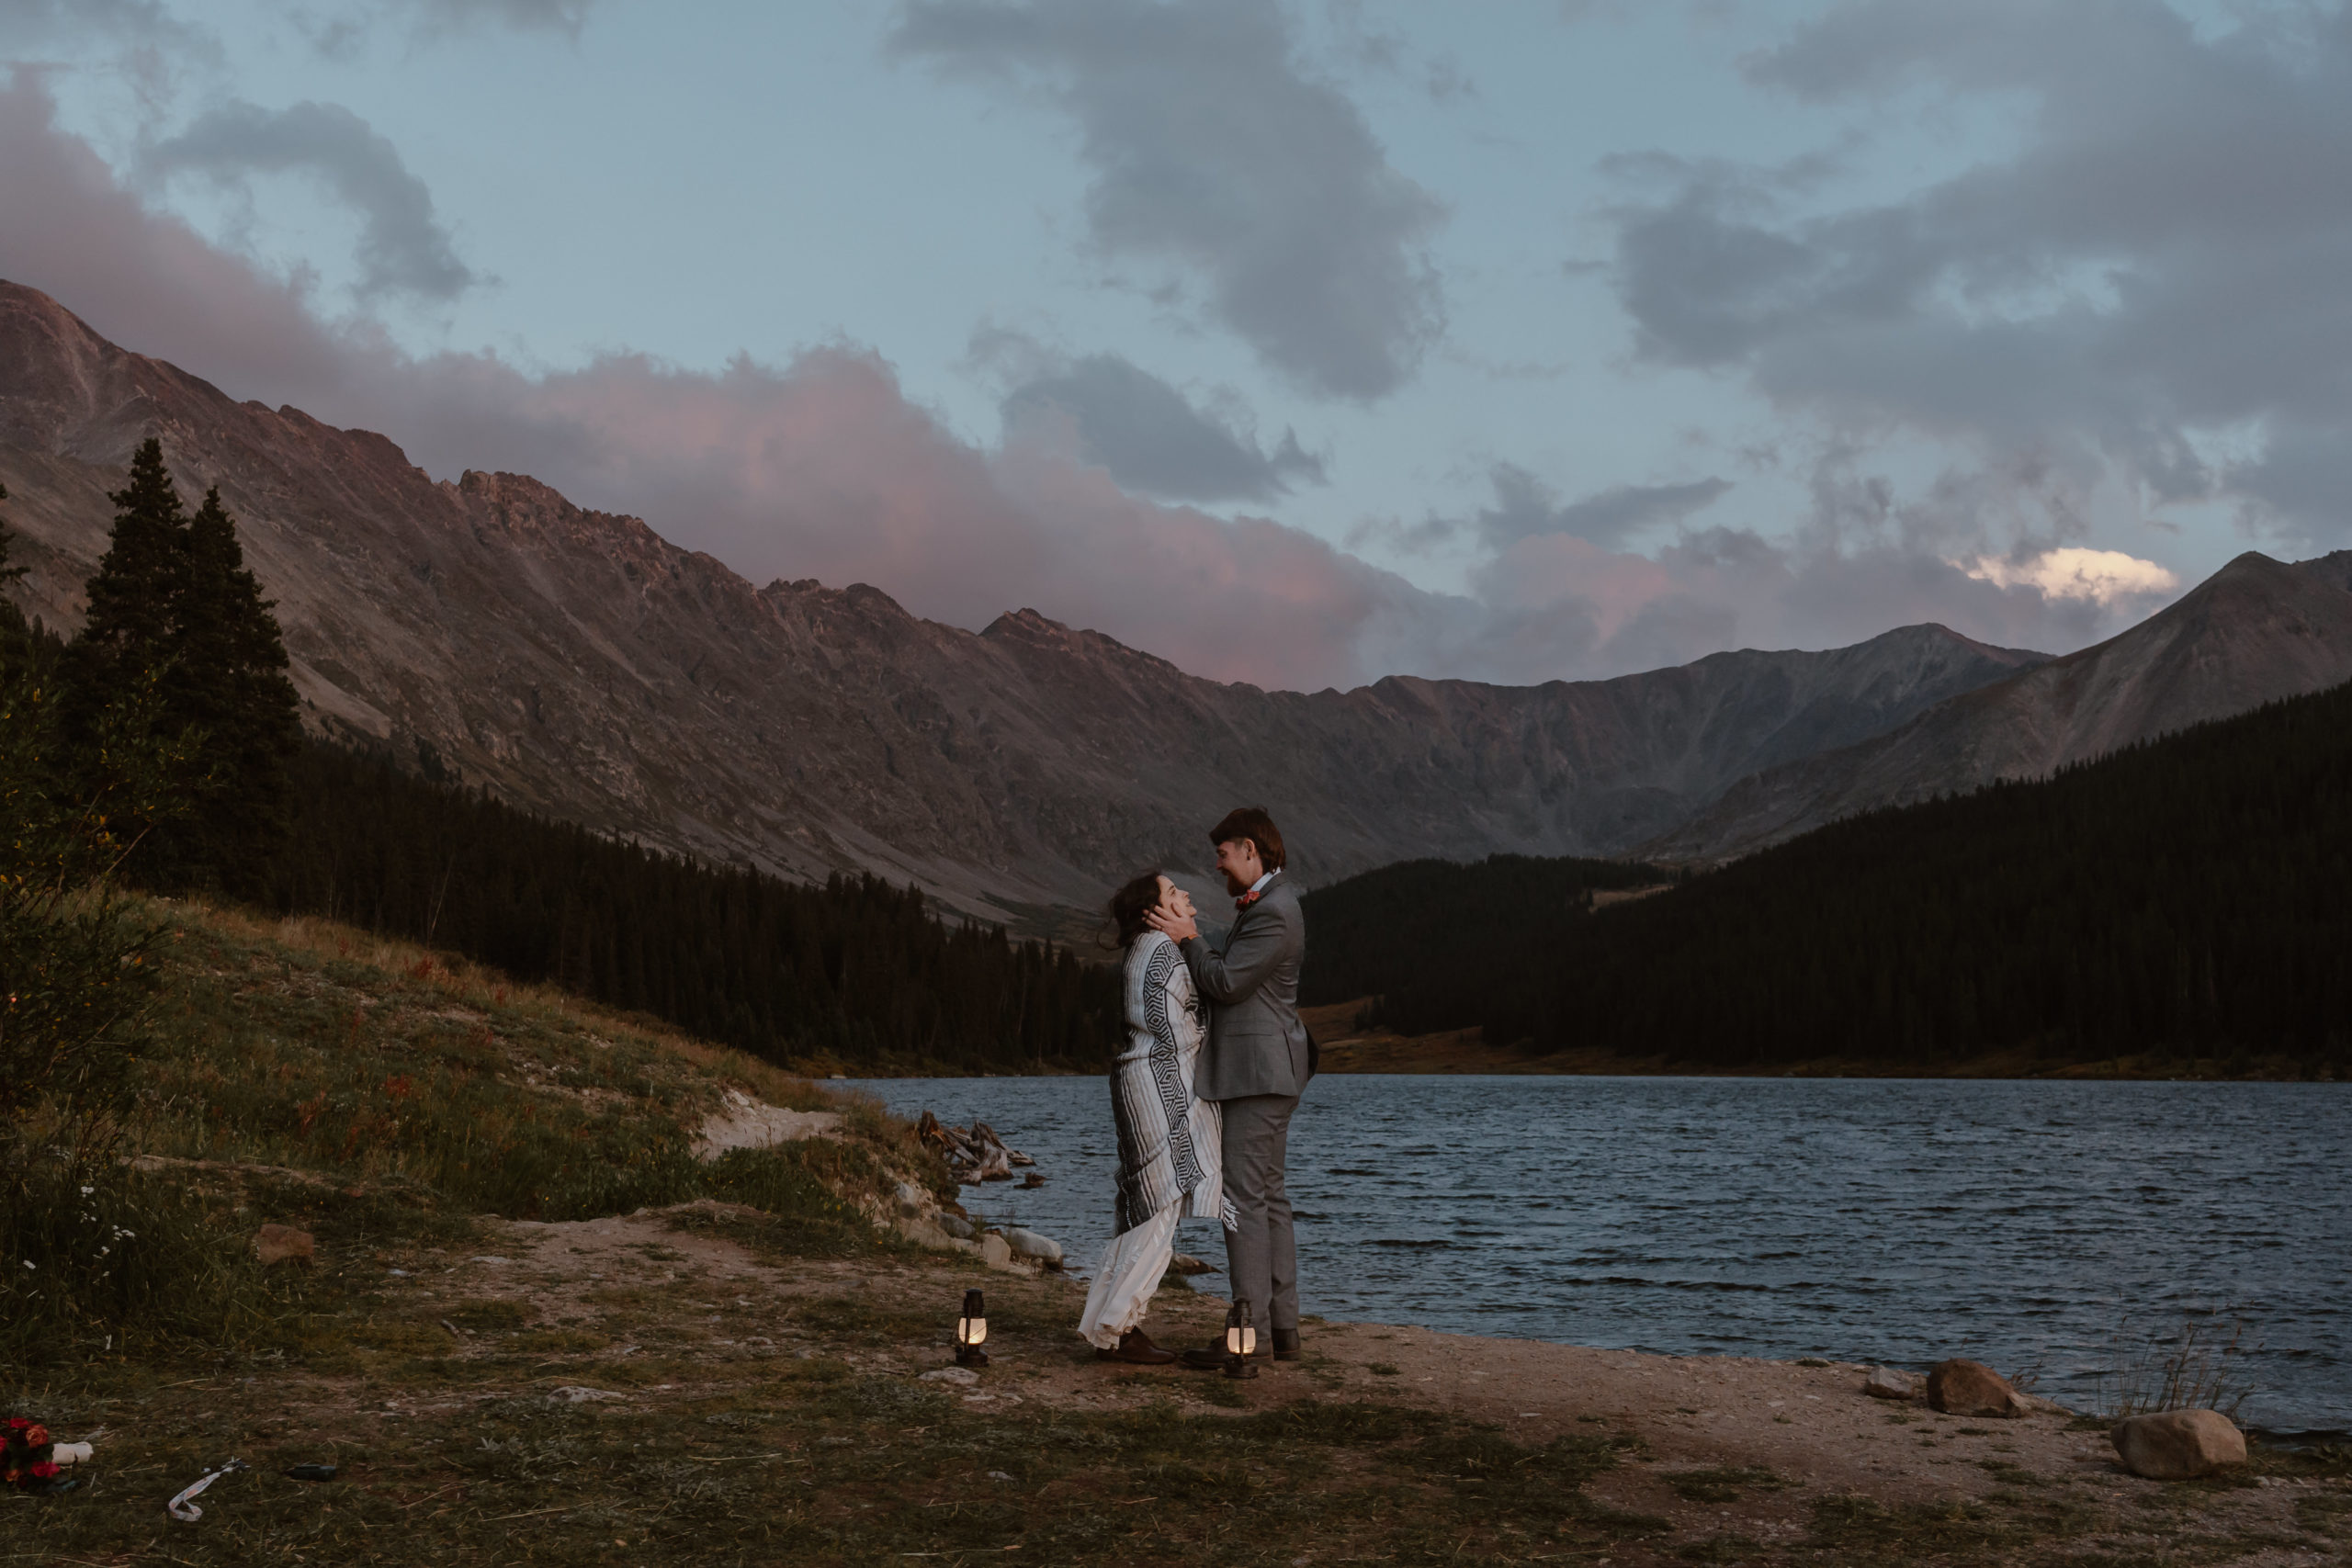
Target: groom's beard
1235	886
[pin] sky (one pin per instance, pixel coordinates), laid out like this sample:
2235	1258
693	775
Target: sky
1295	343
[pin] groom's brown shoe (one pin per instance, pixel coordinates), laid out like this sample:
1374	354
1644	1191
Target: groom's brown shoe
1135	1349
1286	1347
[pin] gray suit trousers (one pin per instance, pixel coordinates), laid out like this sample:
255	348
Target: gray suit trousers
1261	1252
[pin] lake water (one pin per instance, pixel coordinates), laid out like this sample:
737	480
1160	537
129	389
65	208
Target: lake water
2043	1227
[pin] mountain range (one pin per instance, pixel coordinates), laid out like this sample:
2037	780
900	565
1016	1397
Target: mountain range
576	663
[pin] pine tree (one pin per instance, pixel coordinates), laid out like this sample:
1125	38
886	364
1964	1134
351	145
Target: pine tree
140	582
174	607
228	678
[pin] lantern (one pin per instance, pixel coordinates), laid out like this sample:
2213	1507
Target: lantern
970	1330
1240	1342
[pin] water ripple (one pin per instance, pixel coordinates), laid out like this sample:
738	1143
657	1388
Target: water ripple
2027	1224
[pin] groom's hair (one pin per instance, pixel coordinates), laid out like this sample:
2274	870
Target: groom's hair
1252	822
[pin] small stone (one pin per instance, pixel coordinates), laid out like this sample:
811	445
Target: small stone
1885	1382
1186	1263
911	1197
273	1244
958	1226
995	1251
2178	1445
1029	1244
963	1376
1971	1388
579	1395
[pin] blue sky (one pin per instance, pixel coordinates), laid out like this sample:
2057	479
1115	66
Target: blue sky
1296	344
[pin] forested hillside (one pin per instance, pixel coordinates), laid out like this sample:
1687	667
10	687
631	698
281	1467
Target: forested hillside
2191	895
1438	943
857	969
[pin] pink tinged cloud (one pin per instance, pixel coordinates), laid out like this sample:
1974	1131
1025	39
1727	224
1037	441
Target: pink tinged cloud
823	469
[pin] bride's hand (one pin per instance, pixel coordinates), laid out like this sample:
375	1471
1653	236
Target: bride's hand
1177	927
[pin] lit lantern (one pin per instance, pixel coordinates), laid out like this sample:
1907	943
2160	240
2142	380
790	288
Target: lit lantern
1240	1342
970	1330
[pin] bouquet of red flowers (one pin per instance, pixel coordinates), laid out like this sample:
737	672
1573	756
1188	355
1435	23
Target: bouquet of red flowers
25	1462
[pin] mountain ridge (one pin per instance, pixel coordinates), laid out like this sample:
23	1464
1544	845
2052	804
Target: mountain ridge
581	665
2256	630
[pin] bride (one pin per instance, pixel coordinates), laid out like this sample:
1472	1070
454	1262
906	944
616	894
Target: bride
1169	1160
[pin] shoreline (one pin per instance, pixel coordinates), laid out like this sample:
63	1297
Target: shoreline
588	1376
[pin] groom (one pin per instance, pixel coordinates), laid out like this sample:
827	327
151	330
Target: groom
1255	1065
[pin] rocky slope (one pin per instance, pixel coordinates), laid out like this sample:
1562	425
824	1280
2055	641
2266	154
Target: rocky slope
2254	632
577	663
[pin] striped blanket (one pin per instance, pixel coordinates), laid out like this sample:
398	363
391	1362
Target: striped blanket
1168	1137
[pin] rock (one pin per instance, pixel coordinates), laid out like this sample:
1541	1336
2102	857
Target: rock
958	1226
1186	1263
1885	1382
1972	1388
961	1375
995	1251
2178	1445
579	1395
925	1235
283	1244
1029	1244
911	1197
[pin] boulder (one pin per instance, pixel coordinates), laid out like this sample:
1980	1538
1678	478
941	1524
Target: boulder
273	1244
1886	1382
995	1251
958	1226
2178	1445
1972	1388
1186	1263
1030	1244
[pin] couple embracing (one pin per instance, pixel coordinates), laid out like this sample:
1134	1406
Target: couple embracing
1203	1088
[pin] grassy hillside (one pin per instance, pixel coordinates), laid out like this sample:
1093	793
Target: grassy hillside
2189	899
304	1071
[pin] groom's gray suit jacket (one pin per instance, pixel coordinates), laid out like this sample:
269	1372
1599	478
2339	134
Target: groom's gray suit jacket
1257	1044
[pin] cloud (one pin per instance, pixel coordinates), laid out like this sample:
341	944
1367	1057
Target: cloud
402	248
2102	577
2159	260
821	467
1525	507
1149	437
1211	151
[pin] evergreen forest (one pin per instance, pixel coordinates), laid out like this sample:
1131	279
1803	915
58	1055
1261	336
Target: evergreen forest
1434	944
161	748
2188	897
857	973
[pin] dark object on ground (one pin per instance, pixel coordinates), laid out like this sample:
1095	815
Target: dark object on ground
1136	1349
1286	1344
2178	1445
1972	1388
311	1472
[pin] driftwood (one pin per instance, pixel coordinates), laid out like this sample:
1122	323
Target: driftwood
974	1154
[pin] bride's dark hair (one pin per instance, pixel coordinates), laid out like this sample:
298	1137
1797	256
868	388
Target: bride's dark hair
1131	903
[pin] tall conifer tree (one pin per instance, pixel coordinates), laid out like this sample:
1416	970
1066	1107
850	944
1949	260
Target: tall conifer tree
228	678
172	604
140	582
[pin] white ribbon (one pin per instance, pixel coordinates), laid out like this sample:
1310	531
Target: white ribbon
180	1508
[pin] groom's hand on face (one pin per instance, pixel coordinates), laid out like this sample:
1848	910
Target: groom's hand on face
1177	928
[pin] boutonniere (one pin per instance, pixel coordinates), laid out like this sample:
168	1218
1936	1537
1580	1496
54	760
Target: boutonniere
1248	898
